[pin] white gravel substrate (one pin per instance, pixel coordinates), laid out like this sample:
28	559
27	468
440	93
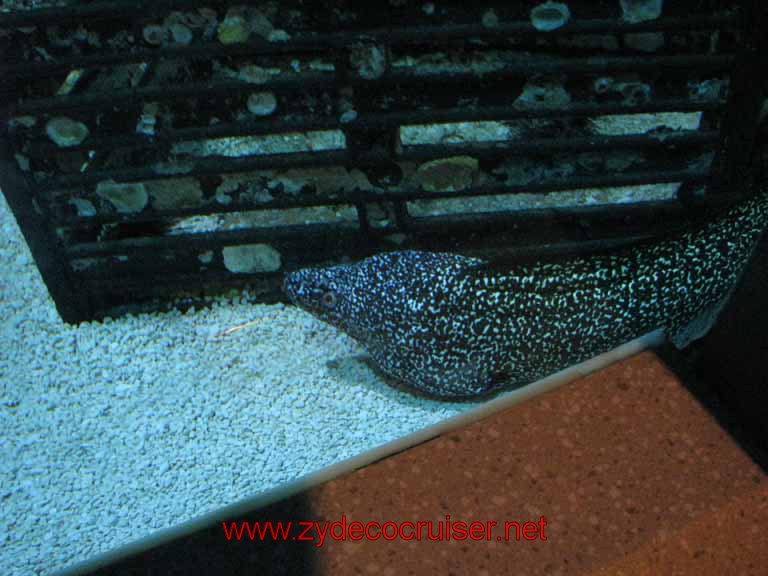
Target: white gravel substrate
110	432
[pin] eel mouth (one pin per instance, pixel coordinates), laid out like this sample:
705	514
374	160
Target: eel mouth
290	286
295	288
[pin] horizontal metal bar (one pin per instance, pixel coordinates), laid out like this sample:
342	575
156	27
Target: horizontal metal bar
204	241
482	150
178	241
571	183
491	113
376	121
137	96
273	125
528	66
79	12
130	282
534	228
341	40
489	150
417	225
303	81
203	167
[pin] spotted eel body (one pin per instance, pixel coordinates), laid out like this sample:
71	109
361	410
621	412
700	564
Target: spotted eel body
451	326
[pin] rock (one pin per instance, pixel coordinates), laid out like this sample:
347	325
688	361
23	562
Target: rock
66	132
233	30
148	119
177	193
262	103
370	61
550	16
707	90
181	34
490	19
602	84
22	161
70	82
23	121
249	258
348	116
543	92
83	207
448	174
640	10
634	93
254	74
125	197
155	34
278	35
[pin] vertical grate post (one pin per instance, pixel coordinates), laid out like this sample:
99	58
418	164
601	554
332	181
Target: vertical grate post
72	303
735	158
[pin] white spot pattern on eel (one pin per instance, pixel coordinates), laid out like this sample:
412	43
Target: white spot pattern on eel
453	326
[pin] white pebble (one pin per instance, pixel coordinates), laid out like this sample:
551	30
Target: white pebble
262	103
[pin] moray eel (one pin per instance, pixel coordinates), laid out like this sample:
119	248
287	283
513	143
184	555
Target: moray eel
453	326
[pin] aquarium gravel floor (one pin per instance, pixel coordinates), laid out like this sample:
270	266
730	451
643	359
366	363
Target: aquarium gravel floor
110	432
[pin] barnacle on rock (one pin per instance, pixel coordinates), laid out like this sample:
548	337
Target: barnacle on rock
640	10
262	103
155	34
369	61
550	16
66	132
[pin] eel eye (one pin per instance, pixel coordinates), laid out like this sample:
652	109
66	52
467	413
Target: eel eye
328	299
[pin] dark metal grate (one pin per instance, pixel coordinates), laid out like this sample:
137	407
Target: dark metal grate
395	124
